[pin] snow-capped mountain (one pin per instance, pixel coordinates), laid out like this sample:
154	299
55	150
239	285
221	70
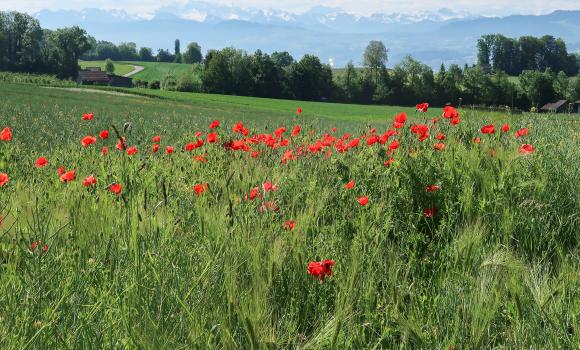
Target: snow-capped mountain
434	37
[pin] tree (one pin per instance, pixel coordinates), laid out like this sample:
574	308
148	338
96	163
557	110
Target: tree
575	89
309	79
127	51
349	83
282	59
177	50
71	43
146	54
537	87
164	56
561	85
375	58
192	54
109	66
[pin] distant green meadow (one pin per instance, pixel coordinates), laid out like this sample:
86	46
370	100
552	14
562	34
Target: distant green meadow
325	229
120	68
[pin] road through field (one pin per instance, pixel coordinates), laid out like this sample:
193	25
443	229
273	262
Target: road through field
136	69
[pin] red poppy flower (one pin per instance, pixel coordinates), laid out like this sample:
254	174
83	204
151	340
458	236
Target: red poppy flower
363	200
477	139
289	225
399	120
89	181
212	137
116	188
169	149
198	134
104	150
521	132
269	187
455	121
189	147
156	139
526	149
254	193
298	110
214	124
35	244
132	150
200	159
349	185
296	131
321	269
61	171
88	140
45	248
68	176
88	116
254	154
4	179
155	148
429	212
422	107
440	136
390	161
439	146
200	188
394	145
432	188
121	145
104	134
488	129
6	134
505	127
424	136
450	112
41	162
354	142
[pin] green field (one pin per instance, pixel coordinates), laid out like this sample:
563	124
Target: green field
157	70
488	259
120	68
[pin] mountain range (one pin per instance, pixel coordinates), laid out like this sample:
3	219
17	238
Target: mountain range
433	37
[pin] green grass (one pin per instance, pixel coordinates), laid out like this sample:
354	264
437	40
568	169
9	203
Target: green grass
120	68
159	267
248	105
157	70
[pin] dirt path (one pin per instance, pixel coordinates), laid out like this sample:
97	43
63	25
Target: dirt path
136	69
88	90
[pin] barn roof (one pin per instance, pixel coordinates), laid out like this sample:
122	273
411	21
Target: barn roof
553	106
96	76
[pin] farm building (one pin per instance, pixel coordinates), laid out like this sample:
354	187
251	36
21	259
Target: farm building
560	106
95	76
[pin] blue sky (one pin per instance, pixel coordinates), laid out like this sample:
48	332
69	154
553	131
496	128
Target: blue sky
362	7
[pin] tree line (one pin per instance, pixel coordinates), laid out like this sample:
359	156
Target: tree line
102	50
279	75
515	55
26	47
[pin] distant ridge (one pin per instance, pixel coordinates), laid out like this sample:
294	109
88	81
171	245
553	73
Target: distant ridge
441	36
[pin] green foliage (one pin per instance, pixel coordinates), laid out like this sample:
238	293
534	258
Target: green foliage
121	68
169	83
109	66
192	54
158	267
537	87
526	53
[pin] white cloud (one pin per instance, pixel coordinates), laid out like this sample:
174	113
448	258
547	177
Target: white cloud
362	7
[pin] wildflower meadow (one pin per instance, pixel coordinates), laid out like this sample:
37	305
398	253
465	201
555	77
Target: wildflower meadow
130	222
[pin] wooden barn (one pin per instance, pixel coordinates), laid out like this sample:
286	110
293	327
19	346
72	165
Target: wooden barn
560	106
95	76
